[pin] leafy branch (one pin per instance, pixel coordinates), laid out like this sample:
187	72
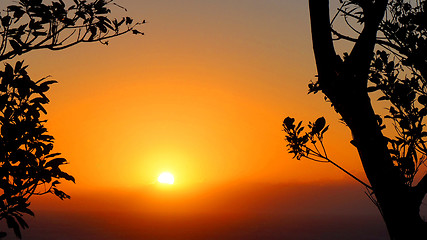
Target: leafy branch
310	144
27	165
408	109
32	24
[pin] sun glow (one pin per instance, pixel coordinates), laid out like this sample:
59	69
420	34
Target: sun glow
166	177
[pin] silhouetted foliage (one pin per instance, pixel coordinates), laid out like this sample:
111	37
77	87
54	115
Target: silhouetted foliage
399	73
298	141
406	97
389	57
28	166
33	24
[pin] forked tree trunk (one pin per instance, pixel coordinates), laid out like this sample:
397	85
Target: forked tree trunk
345	84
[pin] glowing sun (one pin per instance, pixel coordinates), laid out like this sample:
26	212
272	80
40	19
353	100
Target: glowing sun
166	177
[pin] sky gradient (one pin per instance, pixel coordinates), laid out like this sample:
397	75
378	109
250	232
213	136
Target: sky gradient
202	95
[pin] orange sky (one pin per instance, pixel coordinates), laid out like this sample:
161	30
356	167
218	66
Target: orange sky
201	95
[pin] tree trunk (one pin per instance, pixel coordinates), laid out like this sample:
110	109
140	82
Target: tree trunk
345	84
398	202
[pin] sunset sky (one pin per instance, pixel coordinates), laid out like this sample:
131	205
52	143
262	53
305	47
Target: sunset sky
201	95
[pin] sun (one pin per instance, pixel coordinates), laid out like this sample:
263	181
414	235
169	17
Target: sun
166	177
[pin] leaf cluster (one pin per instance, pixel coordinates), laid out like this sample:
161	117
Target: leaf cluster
27	164
34	24
406	29
399	72
305	143
407	97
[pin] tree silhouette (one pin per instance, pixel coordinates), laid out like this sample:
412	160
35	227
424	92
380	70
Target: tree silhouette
33	24
389	57
28	166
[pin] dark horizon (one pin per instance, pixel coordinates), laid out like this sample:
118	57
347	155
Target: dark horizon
279	211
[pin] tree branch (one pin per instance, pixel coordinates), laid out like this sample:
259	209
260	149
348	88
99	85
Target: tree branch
362	52
351	175
379	41
323	47
40	45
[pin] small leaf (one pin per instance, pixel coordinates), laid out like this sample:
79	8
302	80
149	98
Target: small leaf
54	163
52	155
18	66
318	125
288	123
129	20
5	21
67	176
136	32
21	222
62	195
27	211
11	223
16	47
